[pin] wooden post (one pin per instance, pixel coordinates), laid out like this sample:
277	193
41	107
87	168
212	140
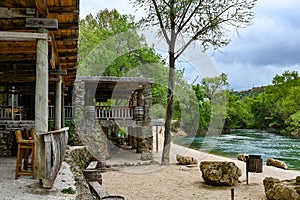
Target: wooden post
232	193
156	139
62	107
58	105
247	166
41	105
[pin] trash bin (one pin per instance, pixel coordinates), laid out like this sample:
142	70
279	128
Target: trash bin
254	163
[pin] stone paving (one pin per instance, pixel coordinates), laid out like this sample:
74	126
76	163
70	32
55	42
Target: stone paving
26	188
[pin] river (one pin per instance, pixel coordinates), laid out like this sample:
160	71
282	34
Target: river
266	144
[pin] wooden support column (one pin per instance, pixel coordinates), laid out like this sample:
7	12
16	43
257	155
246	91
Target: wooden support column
58	104
41	105
63	107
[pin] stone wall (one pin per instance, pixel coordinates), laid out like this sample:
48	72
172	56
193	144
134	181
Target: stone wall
88	130
3	98
79	158
15	125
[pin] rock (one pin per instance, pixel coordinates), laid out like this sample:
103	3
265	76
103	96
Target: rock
280	190
242	157
269	183
298	180
186	160
276	163
219	173
146	156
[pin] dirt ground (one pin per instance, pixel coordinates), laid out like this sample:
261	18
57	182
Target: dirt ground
182	182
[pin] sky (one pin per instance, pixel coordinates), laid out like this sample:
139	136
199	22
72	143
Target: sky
270	46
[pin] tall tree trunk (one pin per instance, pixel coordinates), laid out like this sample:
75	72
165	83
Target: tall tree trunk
165	160
169	112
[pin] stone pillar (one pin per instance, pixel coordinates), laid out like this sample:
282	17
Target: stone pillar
134	137
41	105
146	136
87	127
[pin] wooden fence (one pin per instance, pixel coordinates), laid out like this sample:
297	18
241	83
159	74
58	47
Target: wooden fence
55	148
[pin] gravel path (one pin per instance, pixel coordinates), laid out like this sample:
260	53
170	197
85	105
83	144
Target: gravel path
25	188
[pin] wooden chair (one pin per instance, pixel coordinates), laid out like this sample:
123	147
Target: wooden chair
25	164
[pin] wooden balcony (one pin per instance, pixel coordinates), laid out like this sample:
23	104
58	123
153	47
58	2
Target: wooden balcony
101	112
114	112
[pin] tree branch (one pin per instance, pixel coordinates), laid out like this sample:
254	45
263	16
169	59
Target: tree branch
204	29
184	23
158	13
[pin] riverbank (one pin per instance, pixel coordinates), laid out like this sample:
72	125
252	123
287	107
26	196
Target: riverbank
182	182
248	141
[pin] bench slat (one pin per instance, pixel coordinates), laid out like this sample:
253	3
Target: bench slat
98	189
92	165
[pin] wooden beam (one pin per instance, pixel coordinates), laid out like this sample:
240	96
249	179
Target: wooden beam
42	8
54	49
41	107
58	72
9	13
54	79
42	23
17	50
6	35
63	10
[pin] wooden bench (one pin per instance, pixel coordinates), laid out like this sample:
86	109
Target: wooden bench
98	189
93	165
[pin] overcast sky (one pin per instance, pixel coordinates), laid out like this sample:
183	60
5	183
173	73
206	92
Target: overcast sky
268	47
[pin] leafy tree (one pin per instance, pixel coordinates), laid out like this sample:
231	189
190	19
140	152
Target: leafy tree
204	109
238	114
211	86
205	21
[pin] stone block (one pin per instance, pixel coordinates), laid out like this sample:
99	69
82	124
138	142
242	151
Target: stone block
219	173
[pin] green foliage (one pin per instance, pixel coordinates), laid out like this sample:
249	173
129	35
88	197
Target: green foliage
68	190
275	106
68	123
238	113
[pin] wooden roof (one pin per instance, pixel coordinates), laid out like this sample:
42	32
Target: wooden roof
18	57
107	87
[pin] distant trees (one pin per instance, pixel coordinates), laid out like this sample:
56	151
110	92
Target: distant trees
277	107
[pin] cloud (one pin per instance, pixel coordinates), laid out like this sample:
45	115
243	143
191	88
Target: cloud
273	39
245	76
268	47
94	6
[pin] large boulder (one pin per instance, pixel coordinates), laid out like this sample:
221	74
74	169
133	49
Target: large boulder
218	173
281	190
276	163
186	160
242	157
298	180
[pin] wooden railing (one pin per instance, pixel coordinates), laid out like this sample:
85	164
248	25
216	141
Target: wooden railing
101	112
12	113
114	112
68	112
55	148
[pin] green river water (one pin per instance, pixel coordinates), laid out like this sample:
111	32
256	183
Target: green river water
266	144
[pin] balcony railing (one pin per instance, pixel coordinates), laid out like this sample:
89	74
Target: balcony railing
12	113
101	112
68	112
114	112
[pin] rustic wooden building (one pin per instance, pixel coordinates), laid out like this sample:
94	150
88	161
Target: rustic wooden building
38	62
